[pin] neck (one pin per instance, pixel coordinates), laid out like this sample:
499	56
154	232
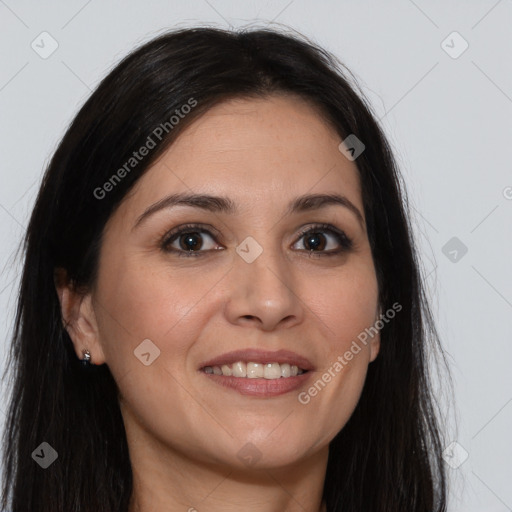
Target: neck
169	481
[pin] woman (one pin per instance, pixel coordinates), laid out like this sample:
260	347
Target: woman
221	306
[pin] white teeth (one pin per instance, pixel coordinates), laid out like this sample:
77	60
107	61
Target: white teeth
272	371
239	369
252	370
226	370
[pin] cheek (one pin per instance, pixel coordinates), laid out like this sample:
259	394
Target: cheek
139	302
347	307
346	304
171	308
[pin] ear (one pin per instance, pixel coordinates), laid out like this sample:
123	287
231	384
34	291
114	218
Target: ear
79	318
374	347
375	342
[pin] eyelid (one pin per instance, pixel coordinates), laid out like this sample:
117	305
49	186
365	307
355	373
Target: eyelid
203	228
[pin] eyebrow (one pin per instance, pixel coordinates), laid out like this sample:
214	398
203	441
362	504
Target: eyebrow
222	204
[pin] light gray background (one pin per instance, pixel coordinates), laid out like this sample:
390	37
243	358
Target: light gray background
449	120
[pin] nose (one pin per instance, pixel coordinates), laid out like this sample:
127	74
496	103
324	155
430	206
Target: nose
264	293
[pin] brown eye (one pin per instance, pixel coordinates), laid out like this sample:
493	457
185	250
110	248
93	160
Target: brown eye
315	241
323	239
188	241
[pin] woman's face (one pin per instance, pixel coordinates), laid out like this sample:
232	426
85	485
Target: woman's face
251	285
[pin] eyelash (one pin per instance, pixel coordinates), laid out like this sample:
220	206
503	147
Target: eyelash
344	241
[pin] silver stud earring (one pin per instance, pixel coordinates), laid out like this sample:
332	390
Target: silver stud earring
86	360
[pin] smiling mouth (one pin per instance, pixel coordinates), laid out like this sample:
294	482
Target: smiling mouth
250	370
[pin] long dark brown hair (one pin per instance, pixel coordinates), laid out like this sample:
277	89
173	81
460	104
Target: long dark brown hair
388	457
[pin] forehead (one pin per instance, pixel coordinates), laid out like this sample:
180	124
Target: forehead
269	149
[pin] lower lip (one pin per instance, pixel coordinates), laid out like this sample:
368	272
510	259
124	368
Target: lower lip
260	387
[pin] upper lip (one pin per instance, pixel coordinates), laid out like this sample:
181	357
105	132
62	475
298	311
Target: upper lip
254	355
